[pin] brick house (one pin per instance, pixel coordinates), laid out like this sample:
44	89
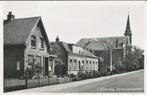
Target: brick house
75	58
26	45
110	50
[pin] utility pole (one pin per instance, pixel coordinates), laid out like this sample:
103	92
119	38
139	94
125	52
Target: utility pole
111	65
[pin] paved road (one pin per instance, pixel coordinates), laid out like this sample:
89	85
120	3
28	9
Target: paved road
127	83
130	82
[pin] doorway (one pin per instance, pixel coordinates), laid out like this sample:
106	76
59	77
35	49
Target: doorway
46	66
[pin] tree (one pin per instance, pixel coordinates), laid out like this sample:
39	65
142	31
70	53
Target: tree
133	58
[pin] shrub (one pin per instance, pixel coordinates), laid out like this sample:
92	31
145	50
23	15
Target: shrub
96	74
82	75
73	77
89	75
103	73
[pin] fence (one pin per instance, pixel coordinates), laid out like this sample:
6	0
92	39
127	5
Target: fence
17	84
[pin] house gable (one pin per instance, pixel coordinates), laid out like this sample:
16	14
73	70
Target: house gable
41	38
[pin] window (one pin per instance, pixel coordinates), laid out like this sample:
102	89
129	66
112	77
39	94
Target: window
74	67
18	65
71	66
79	65
83	61
38	61
86	61
33	41
70	60
30	59
75	61
30	62
41	45
79	52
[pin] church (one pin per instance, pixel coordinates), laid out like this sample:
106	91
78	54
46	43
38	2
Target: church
109	50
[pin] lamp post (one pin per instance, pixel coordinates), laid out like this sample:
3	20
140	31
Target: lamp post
26	78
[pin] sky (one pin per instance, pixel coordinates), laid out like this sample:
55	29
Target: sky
74	20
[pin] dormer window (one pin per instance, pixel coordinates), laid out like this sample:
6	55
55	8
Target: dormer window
41	45
33	41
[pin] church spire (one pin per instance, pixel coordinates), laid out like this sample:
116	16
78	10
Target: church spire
128	29
128	33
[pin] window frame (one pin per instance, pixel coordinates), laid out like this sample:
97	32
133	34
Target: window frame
41	43
75	61
33	41
70	60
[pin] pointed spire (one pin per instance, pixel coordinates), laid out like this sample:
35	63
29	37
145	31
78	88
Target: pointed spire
128	29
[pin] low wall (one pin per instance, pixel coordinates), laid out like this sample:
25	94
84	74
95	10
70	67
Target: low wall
16	84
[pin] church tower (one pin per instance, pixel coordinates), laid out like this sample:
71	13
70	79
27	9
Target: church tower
128	33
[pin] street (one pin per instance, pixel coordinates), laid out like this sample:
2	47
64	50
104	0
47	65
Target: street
127	82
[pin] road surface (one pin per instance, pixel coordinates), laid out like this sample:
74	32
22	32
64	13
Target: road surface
128	82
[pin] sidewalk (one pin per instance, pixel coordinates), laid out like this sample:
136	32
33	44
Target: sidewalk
72	84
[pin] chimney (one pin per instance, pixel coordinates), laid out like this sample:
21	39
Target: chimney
10	16
57	39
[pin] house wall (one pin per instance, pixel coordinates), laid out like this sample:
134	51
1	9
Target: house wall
76	49
82	64
29	51
13	56
104	59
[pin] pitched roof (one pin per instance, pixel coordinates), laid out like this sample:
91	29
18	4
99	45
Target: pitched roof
18	30
99	43
68	49
54	45
96	45
87	53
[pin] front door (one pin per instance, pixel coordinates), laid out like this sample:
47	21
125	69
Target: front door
46	66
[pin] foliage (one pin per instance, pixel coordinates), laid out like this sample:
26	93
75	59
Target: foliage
37	71
134	58
60	70
91	74
34	71
73	77
96	74
82	75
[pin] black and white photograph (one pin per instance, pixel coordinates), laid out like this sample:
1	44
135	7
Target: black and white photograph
73	47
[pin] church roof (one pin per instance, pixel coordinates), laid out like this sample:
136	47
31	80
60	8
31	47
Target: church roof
100	43
96	45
